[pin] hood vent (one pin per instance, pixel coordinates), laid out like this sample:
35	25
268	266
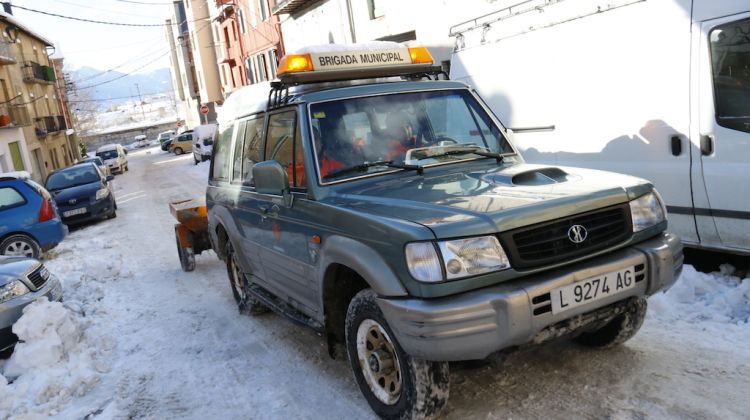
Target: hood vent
533	177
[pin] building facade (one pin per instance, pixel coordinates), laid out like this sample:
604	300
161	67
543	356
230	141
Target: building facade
32	126
248	41
193	60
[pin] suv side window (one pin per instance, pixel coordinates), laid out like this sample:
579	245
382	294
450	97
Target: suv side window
9	197
283	144
251	150
221	158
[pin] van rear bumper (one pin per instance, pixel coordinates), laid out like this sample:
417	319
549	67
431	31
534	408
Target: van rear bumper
475	324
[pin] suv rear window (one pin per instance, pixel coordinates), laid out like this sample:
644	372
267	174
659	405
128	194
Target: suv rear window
9	197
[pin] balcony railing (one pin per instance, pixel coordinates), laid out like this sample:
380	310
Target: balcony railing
48	125
35	72
14	116
6	53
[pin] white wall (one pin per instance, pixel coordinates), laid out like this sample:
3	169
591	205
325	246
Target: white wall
323	24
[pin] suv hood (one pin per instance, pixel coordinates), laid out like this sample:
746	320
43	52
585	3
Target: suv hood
489	200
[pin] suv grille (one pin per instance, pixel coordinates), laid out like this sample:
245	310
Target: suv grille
549	243
39	276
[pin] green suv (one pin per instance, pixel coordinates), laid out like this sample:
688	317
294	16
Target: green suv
396	218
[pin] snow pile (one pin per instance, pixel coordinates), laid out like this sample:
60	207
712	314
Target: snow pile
53	364
699	297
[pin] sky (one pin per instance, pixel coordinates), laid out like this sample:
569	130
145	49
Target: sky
104	47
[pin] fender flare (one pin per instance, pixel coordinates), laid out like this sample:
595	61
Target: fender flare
364	261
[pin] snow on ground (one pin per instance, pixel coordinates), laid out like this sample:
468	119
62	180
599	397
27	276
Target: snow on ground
137	337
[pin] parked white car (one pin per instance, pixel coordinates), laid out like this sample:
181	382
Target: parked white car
203	142
115	156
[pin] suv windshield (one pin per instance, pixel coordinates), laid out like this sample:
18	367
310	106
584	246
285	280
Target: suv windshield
380	133
107	154
73	176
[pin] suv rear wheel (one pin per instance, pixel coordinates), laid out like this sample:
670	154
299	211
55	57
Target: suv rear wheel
20	245
246	303
396	385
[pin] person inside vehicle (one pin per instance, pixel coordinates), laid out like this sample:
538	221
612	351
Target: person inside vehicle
399	135
325	161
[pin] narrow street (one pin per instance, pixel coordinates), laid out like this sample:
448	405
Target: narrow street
161	343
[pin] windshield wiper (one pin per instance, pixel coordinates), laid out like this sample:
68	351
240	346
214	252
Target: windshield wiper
365	165
460	150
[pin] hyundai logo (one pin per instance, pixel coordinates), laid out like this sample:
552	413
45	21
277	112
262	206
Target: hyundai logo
577	234
72	201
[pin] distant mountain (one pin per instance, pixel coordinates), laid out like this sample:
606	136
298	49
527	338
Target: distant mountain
118	84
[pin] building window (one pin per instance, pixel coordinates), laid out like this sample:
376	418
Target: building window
262	72
375	9
249	71
273	62
264	14
253	17
241	18
15	156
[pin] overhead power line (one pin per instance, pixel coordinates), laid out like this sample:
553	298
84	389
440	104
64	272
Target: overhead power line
98	21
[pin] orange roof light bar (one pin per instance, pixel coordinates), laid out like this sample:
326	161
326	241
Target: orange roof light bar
295	63
420	55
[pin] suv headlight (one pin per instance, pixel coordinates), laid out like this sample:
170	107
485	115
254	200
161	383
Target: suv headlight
646	211
102	194
460	258
12	290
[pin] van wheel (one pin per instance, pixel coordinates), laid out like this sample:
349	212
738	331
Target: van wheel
178	151
246	303
396	385
619	330
20	245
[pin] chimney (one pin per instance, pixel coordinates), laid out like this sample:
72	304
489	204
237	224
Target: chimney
6	8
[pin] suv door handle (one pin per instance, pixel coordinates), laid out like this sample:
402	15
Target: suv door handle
676	145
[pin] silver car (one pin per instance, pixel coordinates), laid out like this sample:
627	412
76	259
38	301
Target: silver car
22	281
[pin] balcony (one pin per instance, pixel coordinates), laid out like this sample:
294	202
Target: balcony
12	116
35	72
6	53
49	125
291	6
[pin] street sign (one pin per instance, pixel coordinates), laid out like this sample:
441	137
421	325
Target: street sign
204	109
179	123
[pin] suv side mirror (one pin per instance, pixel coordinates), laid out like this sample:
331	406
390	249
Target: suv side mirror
271	178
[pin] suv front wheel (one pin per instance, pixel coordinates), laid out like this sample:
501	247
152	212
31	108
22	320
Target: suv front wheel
396	385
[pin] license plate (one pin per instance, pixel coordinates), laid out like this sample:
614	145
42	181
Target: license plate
593	289
69	213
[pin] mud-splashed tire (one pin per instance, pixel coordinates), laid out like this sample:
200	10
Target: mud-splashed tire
619	330
246	303
422	387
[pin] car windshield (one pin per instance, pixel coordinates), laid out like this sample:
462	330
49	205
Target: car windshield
401	130
73	176
107	154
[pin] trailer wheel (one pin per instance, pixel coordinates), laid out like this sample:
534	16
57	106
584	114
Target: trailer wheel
187	256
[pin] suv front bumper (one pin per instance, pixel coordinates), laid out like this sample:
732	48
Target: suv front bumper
475	324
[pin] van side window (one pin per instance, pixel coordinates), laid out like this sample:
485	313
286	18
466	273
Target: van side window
283	144
730	61
220	160
251	151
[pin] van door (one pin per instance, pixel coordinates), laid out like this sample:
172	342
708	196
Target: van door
724	125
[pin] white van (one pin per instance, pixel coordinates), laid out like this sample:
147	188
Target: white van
114	156
203	141
141	141
658	89
165	135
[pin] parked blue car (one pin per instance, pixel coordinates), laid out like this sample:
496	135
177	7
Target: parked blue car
29	222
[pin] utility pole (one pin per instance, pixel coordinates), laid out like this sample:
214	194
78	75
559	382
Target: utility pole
140	101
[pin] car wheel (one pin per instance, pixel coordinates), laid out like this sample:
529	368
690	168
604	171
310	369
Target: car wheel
127	168
20	245
178	151
247	304
395	384
619	330
187	256
195	160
